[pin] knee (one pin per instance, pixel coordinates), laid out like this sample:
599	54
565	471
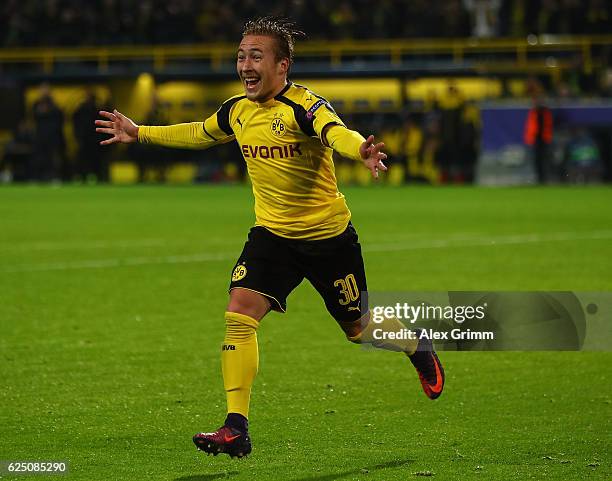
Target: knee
248	303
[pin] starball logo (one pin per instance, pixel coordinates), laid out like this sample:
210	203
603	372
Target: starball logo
271	151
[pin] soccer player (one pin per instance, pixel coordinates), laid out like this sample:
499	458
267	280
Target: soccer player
287	135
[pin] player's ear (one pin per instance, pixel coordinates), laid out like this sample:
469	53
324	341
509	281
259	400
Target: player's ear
283	66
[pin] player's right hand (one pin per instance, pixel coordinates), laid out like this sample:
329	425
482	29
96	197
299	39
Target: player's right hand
122	129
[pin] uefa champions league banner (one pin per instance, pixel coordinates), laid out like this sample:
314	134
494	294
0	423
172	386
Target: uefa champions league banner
495	321
504	124
506	160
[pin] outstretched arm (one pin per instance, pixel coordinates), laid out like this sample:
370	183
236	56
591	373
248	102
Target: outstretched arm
351	144
348	143
191	135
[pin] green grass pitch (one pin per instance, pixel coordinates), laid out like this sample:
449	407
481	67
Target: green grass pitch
111	304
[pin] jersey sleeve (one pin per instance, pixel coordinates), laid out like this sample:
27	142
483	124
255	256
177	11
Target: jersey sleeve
323	114
344	141
193	135
340	138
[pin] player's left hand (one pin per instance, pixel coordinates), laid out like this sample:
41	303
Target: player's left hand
372	155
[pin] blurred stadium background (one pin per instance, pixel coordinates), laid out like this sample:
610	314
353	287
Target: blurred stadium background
111	298
461	91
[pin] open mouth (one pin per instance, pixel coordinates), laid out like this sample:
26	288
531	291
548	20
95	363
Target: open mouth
251	83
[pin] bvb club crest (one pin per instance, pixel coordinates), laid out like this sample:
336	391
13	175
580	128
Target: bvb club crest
278	127
240	272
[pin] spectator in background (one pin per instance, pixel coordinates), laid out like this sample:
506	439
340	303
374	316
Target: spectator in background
582	158
606	84
469	139
564	91
16	28
18	153
451	117
573	16
411	145
342	19
47	20
538	136
90	160
152	159
431	147
561	17
484	17
518	18
49	159
109	22
174	22
598	18
549	16
456	18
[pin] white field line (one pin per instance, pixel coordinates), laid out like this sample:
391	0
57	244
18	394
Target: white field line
118	262
417	244
80	245
480	241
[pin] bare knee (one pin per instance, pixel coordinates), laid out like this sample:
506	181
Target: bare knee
248	303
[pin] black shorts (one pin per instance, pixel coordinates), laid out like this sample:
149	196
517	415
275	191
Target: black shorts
274	266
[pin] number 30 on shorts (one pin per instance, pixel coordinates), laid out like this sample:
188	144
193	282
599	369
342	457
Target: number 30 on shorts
348	289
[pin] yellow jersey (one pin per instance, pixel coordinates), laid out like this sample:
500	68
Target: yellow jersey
288	159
